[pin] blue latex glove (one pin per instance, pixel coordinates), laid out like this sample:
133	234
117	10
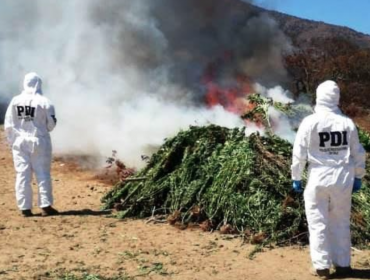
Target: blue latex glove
356	185
297	186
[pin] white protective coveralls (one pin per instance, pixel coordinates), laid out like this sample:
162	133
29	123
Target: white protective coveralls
28	120
329	141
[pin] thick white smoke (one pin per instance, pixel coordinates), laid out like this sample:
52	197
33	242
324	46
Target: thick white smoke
124	75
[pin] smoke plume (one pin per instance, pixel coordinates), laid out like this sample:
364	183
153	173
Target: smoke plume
126	74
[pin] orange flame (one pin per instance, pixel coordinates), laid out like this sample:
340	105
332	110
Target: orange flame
233	99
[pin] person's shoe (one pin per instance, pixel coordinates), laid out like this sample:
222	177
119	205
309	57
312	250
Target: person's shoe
49	211
27	213
321	273
343	271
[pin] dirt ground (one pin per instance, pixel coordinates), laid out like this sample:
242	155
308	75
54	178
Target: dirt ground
86	241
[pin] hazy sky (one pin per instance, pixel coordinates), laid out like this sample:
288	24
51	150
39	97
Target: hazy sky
350	13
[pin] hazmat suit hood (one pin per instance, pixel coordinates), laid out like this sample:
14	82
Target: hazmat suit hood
32	83
327	96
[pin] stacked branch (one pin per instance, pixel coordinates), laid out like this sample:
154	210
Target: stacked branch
221	179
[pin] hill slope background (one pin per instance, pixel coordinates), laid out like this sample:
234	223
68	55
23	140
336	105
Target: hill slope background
323	51
319	51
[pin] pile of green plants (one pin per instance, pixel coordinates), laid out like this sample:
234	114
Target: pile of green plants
360	219
364	139
218	177
221	179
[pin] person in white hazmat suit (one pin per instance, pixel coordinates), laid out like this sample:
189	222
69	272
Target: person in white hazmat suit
28	120
329	141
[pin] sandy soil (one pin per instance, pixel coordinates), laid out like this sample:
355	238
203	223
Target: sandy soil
84	239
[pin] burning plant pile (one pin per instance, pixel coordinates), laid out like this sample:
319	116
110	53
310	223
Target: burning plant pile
221	179
214	176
